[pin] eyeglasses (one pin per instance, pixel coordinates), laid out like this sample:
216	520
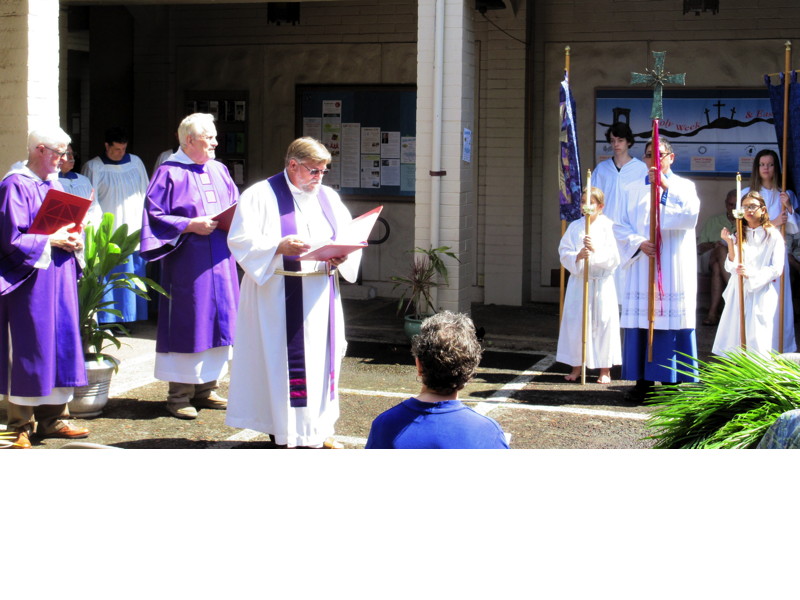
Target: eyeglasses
751	207
70	156
661	154
59	152
315	172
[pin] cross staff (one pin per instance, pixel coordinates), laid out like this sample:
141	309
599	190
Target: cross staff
655	78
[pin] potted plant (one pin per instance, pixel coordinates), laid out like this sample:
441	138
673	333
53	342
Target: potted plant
105	250
415	302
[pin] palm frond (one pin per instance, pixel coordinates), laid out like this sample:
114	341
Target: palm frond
736	400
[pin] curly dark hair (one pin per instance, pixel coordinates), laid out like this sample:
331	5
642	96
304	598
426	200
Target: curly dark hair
448	351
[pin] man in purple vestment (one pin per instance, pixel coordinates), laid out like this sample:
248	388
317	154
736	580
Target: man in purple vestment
196	323
39	333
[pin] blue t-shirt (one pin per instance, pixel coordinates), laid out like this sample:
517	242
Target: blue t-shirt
424	425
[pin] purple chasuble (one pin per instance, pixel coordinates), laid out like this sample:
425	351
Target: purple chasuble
293	291
198	271
39	331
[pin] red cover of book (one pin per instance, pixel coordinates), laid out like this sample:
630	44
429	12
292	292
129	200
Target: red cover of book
59	209
224	218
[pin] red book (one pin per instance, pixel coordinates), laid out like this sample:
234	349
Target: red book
59	209
352	239
224	218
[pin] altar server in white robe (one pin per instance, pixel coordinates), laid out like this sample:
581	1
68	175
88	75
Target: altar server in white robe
676	300
79	185
764	257
614	174
765	178
602	341
120	182
290	328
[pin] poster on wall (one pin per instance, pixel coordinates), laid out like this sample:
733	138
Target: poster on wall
370	132
713	132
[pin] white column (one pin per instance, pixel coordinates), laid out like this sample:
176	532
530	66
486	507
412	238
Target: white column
28	73
455	227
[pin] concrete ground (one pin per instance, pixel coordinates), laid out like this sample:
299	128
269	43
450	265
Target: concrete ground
519	384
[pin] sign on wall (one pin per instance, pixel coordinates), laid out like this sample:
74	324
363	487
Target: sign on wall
713	132
370	131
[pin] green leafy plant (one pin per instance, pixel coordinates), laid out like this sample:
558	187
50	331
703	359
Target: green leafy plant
736	400
105	250
426	264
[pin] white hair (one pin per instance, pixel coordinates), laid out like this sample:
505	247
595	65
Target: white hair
47	136
195	124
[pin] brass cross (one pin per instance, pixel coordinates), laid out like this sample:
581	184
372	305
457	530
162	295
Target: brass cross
656	78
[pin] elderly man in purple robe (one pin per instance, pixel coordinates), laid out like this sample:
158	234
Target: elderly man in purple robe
39	334
196	322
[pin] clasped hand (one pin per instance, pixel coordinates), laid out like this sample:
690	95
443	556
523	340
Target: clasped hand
71	241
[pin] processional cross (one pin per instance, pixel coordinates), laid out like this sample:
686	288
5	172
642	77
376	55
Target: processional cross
656	78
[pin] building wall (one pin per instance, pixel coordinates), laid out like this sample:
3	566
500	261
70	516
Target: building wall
609	40
29	74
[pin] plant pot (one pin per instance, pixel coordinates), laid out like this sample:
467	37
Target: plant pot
411	325
90	400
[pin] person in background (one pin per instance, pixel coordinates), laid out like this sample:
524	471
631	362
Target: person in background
603	347
120	182
290	328
167	153
446	353
674	338
40	343
614	174
79	185
765	178
711	250
764	258
196	322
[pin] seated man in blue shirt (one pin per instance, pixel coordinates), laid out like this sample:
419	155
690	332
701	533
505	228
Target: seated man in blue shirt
447	354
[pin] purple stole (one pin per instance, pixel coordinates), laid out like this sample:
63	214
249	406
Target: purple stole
293	293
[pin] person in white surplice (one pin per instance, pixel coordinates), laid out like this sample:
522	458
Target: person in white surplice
120	182
602	342
674	339
766	178
290	328
764	256
614	174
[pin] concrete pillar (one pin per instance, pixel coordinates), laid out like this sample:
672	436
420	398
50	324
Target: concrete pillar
29	56
456	224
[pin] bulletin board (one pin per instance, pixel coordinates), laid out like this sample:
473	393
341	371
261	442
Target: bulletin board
714	132
370	131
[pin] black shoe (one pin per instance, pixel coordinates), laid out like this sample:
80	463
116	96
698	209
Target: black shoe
639	392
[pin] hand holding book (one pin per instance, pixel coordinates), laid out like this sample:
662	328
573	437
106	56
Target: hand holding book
352	238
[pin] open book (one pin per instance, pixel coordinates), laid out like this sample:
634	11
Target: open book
353	238
59	209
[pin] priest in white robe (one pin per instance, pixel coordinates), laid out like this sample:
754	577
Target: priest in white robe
290	328
120	182
676	294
